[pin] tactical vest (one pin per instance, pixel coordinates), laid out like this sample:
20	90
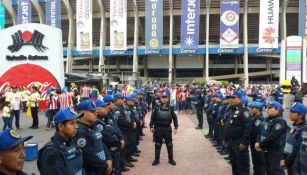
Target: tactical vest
72	158
290	140
303	153
108	132
96	138
163	117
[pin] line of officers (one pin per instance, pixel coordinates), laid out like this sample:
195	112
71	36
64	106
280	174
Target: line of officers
235	129
100	139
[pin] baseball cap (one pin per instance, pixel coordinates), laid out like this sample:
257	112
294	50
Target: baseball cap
218	95
65	114
235	94
118	96
86	105
298	107
257	105
131	97
10	139
165	94
100	103
276	105
108	98
199	86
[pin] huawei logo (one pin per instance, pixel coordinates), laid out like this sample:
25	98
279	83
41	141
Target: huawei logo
34	39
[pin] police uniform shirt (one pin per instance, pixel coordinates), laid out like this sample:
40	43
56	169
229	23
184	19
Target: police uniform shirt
95	154
272	131
153	121
255	127
110	138
60	157
200	100
123	122
113	122
237	124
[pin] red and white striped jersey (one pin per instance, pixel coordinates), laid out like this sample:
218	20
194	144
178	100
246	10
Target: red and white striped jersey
125	93
53	102
64	100
85	92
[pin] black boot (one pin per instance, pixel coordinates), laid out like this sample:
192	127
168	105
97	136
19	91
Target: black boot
170	154
157	154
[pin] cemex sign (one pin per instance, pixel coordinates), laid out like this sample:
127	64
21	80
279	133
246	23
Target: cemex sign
31	53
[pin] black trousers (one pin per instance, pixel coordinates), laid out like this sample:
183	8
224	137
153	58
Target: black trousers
272	162
163	133
239	159
34	111
210	124
200	116
258	160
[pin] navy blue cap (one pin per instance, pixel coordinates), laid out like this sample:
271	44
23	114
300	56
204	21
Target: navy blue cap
65	114
87	105
100	103
136	91
118	96
235	93
108	98
10	139
209	90
131	97
199	86
298	107
257	105
276	105
244	100
218	95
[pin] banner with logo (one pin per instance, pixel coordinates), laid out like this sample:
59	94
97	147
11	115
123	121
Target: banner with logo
84	25
53	13
268	23
24	12
190	24
302	22
294	48
154	24
118	24
229	23
2	16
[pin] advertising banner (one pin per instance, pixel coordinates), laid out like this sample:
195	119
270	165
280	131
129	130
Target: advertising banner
24	12
53	13
118	24
229	23
84	25
2	16
268	24
154	24
190	24
294	46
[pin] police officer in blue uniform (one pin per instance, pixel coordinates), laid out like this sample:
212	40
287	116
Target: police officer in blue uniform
199	103
221	118
208	102
257	119
96	157
111	137
110	90
111	101
160	124
291	158
271	138
217	106
278	94
12	155
61	156
125	125
236	134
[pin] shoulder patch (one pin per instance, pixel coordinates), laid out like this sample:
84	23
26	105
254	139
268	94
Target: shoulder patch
81	142
246	114
257	122
99	127
277	126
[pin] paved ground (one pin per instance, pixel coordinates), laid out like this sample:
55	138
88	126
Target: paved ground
193	153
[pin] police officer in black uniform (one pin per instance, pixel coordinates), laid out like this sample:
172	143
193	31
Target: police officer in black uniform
160	124
96	157
125	125
199	106
156	99
271	139
208	101
111	137
218	105
236	135
12	155
61	156
257	119
291	158
221	118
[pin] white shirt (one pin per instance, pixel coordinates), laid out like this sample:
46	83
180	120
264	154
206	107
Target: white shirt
173	96
15	100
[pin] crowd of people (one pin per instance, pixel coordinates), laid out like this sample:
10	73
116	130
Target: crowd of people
98	131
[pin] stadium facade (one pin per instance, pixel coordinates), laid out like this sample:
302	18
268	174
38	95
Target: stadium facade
171	61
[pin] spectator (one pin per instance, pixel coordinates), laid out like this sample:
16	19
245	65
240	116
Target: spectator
6	116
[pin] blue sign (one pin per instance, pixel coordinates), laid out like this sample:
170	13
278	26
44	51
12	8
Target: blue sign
53	13
190	24
24	12
302	22
229	23
2	16
154	24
